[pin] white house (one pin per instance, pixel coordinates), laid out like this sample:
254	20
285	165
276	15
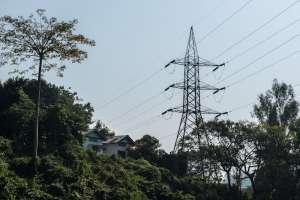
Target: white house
115	145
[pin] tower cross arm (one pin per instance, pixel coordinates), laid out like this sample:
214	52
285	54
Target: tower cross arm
201	86
206	86
191	110
218	66
195	61
178	109
204	110
209	111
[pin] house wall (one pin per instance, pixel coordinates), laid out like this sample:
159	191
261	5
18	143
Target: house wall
92	140
113	149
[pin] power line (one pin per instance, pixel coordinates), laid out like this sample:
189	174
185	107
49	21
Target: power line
252	47
224	21
147	120
142	113
230	111
210	12
257	29
156	72
240	107
129	90
124	93
143	81
264	40
264	68
259	58
258	71
253	102
261	70
152	119
260	42
191	110
135	107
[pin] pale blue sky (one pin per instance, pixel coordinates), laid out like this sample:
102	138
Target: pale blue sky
137	37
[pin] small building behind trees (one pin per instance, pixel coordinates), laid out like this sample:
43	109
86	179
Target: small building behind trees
108	144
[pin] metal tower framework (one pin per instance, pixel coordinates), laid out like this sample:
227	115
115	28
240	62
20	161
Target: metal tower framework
192	110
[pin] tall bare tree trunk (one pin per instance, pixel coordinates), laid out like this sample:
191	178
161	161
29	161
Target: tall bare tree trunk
228	180
37	115
253	187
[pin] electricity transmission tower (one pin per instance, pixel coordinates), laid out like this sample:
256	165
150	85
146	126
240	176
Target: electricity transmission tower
191	122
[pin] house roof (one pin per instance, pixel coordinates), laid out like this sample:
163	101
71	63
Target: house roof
112	140
117	139
92	133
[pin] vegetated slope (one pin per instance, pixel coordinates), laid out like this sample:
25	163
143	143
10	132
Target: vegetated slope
76	174
65	169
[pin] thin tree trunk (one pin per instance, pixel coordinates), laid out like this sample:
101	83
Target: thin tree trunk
228	180
253	187
239	181
37	115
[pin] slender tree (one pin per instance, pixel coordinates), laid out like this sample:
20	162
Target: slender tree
43	41
277	107
236	148
277	112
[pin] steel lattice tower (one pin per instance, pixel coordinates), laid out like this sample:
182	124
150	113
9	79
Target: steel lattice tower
192	110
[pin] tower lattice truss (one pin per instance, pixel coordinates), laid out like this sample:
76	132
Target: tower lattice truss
191	127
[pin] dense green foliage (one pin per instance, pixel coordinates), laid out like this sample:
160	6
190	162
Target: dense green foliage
65	170
50	120
102	131
44	41
265	153
148	148
75	174
62	120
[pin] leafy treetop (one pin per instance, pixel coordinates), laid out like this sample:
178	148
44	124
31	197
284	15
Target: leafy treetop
39	37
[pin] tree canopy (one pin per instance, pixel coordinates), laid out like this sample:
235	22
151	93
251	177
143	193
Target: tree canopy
44	41
63	118
66	170
39	37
